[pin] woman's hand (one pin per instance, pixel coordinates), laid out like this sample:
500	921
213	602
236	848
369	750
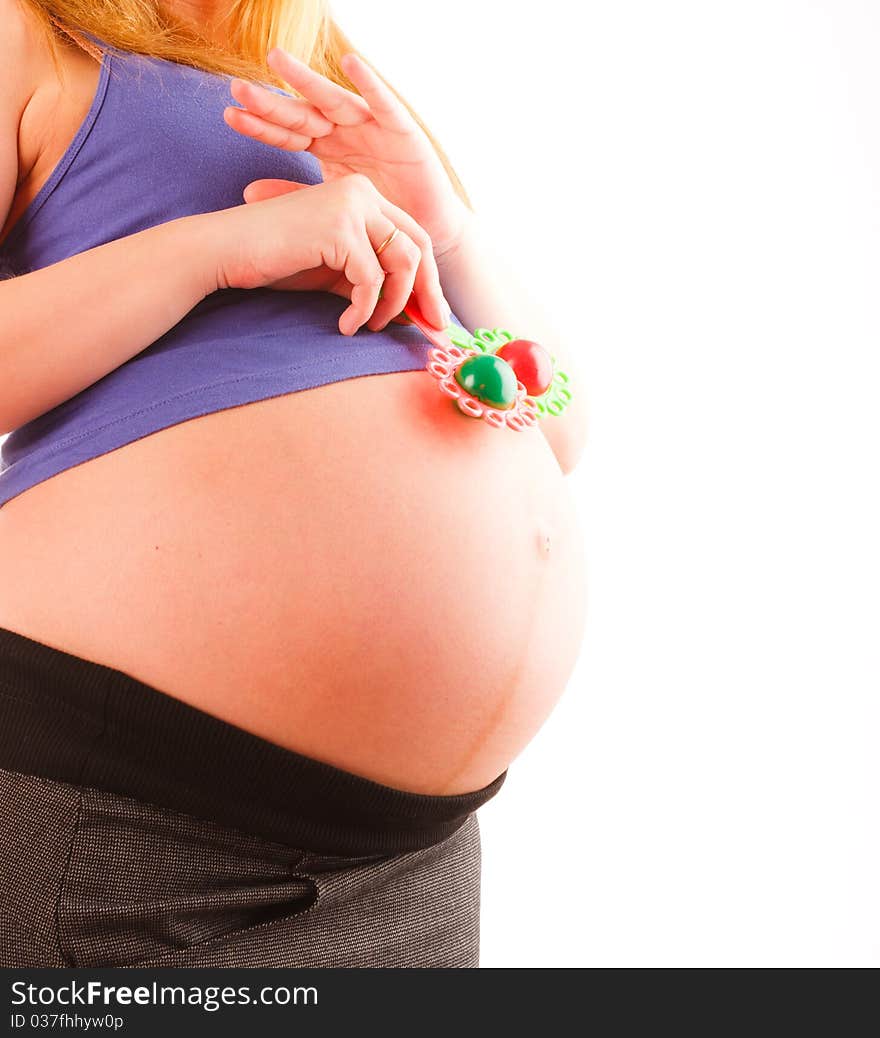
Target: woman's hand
324	237
318	279
373	134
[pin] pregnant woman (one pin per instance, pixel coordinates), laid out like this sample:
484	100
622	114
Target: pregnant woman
275	616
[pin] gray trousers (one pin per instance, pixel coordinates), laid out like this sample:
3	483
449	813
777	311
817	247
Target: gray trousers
91	878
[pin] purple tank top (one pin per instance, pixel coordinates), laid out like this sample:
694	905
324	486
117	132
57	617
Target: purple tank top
153	147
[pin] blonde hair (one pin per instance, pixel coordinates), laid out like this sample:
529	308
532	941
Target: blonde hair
305	28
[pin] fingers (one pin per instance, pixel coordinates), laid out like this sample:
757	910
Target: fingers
363	270
400	260
382	285
388	111
339	105
250	125
426	278
260	190
300	118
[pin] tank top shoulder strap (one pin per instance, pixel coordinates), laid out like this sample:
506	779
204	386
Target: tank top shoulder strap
98	41
105	49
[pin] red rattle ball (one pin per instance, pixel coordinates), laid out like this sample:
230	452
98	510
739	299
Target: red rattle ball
531	363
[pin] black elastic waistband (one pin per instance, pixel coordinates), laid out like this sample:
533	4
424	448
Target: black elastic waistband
70	719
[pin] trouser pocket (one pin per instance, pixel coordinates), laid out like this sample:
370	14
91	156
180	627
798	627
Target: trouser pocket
143	881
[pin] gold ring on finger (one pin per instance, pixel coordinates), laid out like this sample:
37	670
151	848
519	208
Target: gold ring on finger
388	240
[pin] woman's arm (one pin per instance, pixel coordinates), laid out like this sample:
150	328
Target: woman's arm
67	325
484	292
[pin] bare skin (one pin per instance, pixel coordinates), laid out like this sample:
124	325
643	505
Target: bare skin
369	578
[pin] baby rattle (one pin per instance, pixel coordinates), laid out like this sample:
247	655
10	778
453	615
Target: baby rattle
491	375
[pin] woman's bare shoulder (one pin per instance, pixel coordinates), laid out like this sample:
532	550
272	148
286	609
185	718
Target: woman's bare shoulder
23	52
22	35
22	55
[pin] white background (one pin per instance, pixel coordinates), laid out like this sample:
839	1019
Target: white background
696	185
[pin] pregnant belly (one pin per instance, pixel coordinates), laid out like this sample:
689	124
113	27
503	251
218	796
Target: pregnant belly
356	572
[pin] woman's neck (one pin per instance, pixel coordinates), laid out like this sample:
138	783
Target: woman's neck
208	16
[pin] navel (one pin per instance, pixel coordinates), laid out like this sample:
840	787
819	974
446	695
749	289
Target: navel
545	540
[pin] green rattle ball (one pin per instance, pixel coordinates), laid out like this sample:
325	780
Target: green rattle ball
488	378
